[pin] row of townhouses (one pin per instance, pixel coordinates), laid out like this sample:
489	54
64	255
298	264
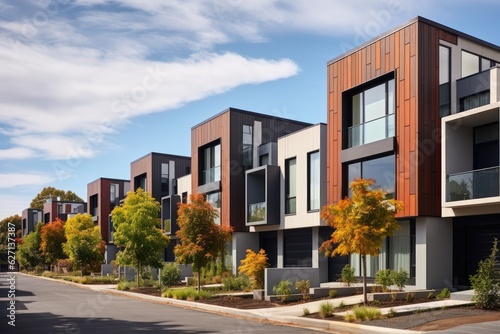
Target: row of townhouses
416	109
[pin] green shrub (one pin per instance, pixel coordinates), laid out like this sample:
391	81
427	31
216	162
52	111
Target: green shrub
399	278
341	304
349	317
125	285
410	296
325	310
391	313
383	278
306	311
170	274
303	287
186	293
347	275
238	283
366	313
486	281
444	294
332	293
283	289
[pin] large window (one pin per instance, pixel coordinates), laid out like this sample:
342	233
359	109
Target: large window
290	186
313	186
210	159
382	170
140	182
247	146
444	80
397	252
472	64
371	116
114	194
297	247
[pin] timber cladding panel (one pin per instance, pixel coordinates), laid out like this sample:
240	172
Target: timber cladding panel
412	53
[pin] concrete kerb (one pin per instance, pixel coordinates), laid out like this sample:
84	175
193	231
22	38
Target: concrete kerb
286	315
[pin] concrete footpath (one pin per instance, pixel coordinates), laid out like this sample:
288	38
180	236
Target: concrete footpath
292	315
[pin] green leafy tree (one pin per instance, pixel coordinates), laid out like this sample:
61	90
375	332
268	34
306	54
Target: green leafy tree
138	233
486	281
254	266
53	193
28	253
201	240
4	235
52	239
84	245
361	223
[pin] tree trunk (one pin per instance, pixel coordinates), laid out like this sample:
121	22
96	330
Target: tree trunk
365	297
199	279
138	274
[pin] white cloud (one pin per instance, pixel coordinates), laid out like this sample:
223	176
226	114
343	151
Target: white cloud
11	180
16	153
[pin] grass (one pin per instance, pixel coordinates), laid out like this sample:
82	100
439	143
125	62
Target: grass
363	313
326	310
186	294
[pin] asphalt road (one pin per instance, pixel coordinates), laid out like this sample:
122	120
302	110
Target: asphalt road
44	306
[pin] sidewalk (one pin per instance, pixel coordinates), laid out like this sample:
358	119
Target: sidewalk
293	314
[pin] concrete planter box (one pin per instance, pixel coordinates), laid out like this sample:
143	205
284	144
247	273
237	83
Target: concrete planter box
401	295
342	291
290	298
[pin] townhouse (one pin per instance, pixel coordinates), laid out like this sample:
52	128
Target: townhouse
388	102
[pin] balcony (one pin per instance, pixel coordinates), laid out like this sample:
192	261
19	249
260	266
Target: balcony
256	212
371	131
474	184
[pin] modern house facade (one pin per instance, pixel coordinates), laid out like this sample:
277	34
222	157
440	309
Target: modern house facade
103	195
388	100
223	148
158	174
29	218
55	208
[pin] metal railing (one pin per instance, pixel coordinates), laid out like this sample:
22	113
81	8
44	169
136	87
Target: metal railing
474	184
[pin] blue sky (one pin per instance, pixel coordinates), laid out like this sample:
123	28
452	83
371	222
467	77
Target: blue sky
87	86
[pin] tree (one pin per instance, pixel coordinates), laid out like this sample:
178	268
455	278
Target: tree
53	193
137	231
52	240
486	281
254	265
84	245
361	223
6	236
28	253
201	240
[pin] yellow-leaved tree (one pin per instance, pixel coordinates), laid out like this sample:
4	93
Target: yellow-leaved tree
254	265
361	223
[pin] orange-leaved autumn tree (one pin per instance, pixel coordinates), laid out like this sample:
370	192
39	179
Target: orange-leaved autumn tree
254	265
201	240
361	223
52	240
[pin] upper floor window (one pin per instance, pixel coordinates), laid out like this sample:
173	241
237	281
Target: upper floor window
164	179
370	114
382	170
140	182
264	159
444	80
210	163
215	199
114	194
472	64
291	186
247	146
313	181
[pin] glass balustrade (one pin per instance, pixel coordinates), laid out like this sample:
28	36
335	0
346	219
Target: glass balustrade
474	184
257	212
371	131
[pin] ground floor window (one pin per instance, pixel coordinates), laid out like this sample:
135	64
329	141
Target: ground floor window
397	252
297	248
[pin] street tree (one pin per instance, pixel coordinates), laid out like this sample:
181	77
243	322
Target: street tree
201	240
53	193
52	240
6	236
28	253
84	245
254	266
138	233
361	223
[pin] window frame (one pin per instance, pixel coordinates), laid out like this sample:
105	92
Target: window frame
288	184
310	207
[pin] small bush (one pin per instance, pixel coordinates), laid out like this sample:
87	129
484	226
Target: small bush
325	310
391	313
254	266
186	293
306	311
347	275
366	313
486	281
170	274
125	285
341	304
332	293
283	289
444	294
383	278
303	287
410	296
399	278
238	283
394	296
